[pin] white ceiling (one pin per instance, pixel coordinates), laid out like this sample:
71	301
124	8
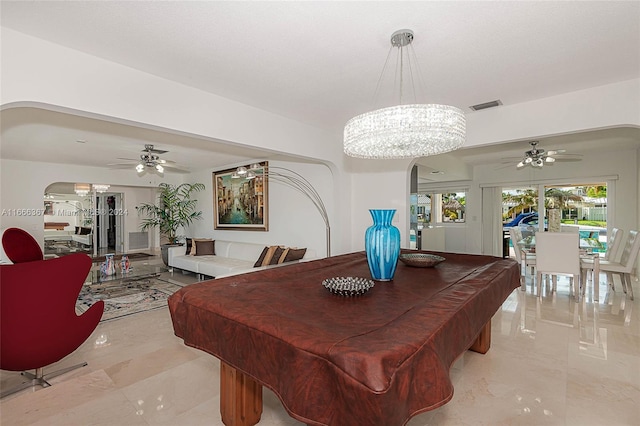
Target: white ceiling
319	62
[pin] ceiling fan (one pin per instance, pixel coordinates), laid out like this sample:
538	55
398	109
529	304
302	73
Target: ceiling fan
537	157
150	161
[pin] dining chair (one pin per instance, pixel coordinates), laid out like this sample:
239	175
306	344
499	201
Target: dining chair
530	259
558	253
624	267
614	242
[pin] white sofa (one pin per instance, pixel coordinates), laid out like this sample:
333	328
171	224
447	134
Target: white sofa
85	239
231	258
52	235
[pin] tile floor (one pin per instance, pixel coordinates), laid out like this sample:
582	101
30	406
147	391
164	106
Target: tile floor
552	362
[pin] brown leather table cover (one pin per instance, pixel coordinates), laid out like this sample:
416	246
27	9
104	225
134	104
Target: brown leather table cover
376	359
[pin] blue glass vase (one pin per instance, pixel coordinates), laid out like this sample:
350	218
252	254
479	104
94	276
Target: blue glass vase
382	244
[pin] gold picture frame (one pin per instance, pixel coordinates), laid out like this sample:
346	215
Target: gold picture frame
240	200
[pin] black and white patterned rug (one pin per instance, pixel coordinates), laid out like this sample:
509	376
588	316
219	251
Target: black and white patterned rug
126	298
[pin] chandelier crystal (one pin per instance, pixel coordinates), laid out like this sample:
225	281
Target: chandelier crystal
405	131
101	188
82	189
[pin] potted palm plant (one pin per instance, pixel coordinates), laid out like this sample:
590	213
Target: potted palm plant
174	210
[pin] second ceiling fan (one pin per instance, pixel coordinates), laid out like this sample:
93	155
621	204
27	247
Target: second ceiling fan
150	160
538	157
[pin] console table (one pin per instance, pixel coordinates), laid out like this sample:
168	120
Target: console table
380	358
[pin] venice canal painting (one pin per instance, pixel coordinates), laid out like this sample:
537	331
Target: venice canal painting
240	200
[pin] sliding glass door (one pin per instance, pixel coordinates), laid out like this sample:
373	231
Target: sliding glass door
564	206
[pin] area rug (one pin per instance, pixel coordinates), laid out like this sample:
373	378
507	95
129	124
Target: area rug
122	299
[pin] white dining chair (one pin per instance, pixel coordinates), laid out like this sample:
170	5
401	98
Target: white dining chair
624	267
614	243
558	253
530	259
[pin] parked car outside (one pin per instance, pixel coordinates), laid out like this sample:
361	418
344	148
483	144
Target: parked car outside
527	222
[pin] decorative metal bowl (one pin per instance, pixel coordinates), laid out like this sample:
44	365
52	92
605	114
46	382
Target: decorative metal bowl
421	260
348	286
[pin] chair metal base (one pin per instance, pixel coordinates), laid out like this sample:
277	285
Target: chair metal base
39	379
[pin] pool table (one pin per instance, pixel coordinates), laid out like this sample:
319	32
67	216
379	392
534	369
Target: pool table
375	359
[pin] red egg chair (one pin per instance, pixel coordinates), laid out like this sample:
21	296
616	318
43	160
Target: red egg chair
38	321
20	246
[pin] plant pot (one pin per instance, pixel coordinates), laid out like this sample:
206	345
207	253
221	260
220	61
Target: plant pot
164	251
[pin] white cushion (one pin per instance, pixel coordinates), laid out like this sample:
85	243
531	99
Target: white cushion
224	266
245	251
222	248
184	262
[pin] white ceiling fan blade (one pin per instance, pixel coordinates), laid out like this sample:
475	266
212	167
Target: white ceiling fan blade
174	169
568	157
121	165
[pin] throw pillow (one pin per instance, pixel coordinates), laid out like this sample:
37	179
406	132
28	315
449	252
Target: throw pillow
295	254
85	231
204	248
194	247
189	242
77	230
269	256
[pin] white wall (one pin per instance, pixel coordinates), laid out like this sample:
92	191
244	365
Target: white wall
23	183
35	70
602	107
293	219
378	184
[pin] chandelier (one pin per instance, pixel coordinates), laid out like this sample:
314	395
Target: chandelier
82	189
405	131
101	188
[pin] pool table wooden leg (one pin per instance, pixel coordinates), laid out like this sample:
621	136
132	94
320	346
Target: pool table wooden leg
240	397
483	342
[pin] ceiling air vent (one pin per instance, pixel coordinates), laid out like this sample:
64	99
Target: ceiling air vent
486	105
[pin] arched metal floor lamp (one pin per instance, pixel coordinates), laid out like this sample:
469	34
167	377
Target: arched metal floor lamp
296	181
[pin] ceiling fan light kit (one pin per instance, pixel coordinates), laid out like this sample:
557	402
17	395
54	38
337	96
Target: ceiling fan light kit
405	131
537	157
150	161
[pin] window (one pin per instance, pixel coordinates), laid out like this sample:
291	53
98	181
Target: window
441	207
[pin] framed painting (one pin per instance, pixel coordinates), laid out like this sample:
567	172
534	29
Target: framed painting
240	200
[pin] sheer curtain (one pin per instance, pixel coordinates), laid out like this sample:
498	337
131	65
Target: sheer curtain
492	237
